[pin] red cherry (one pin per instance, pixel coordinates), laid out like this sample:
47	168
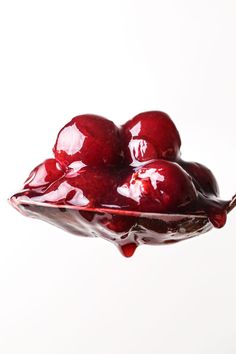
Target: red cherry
203	178
161	187
150	135
91	188
92	139
44	174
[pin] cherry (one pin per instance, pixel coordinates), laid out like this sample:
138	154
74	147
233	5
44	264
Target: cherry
161	187
44	174
203	178
92	139
91	187
150	135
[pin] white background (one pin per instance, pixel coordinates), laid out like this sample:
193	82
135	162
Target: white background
62	294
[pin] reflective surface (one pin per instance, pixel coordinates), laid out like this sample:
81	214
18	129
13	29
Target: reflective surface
121	228
126	229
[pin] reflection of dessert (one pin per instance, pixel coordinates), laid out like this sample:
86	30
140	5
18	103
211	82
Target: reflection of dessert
128	184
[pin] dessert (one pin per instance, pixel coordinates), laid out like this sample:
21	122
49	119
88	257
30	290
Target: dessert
126	184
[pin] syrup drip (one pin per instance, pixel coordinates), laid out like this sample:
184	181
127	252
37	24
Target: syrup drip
128	249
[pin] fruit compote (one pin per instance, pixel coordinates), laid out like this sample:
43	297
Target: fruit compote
126	184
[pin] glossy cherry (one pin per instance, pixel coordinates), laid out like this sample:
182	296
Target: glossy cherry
91	139
203	178
150	135
90	187
44	174
160	186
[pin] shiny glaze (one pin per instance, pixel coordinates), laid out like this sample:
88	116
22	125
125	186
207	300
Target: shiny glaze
127	185
150	135
125	229
91	139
